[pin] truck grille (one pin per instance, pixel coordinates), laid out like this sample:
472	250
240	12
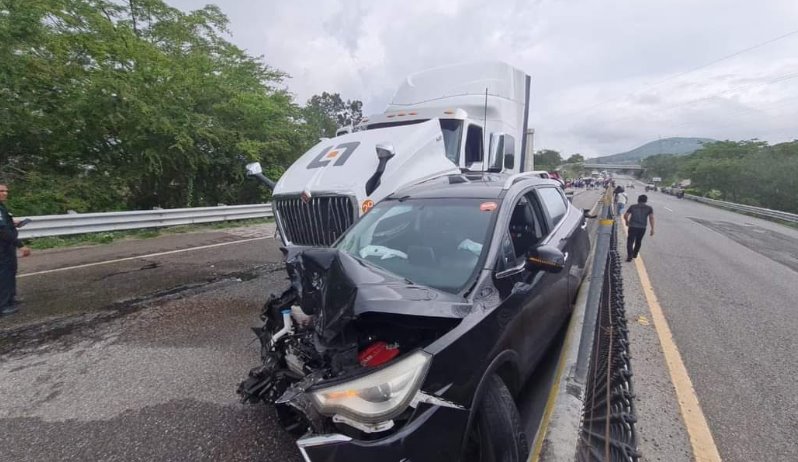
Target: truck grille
318	222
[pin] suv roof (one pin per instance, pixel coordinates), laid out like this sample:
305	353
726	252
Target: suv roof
482	185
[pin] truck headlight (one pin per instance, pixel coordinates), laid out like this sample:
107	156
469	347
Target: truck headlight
376	397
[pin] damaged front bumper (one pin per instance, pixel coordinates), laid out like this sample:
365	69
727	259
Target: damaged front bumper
434	435
343	362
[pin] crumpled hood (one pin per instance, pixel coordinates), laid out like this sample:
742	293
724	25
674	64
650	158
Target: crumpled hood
344	164
336	288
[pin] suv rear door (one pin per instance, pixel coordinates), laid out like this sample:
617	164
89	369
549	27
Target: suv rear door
565	234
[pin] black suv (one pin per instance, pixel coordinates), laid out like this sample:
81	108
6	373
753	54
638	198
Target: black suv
410	337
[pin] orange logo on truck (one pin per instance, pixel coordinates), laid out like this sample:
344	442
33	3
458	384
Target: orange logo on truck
366	205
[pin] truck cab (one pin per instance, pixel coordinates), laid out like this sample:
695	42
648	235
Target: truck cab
467	117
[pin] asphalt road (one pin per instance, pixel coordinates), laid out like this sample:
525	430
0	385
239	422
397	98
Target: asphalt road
727	286
140	359
135	354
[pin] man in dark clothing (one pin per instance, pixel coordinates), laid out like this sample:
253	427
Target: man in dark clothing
635	218
8	256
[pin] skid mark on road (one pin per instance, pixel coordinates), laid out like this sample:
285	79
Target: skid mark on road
139	257
776	246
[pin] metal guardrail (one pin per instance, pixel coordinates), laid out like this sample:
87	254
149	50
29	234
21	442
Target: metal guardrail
80	223
756	211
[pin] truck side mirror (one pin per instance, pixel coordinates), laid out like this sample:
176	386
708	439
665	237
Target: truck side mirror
509	161
254	168
385	151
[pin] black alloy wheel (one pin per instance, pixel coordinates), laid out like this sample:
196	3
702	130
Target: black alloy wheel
496	435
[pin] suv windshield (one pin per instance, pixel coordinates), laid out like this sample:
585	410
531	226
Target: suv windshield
434	242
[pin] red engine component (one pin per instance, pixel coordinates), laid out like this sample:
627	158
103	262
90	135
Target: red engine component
377	353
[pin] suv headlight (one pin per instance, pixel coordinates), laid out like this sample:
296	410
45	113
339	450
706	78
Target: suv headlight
376	397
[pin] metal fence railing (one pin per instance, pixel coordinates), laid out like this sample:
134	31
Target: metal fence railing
608	412
749	209
79	223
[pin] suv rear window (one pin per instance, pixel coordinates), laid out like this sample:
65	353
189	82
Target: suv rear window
554	204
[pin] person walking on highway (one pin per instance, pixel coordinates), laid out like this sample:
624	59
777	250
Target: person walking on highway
620	201
635	219
9	243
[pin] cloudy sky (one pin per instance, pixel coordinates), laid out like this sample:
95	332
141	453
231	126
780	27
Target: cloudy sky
607	75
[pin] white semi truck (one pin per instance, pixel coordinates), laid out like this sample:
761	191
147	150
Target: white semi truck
466	117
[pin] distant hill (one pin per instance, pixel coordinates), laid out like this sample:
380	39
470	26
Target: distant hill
677	146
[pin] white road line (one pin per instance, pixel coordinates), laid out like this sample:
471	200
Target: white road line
159	254
669	210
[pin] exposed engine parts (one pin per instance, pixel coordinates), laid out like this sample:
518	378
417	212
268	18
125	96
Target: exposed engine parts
322	328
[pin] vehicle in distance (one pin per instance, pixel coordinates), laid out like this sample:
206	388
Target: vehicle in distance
409	338
651	187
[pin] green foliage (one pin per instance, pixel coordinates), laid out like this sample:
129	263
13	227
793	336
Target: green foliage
747	172
576	159
110	105
327	112
547	159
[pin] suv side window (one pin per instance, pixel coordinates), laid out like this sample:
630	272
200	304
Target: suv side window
554	203
523	231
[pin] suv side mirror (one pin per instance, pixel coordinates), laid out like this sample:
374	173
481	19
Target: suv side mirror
545	257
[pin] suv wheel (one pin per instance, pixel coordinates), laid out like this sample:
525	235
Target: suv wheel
496	435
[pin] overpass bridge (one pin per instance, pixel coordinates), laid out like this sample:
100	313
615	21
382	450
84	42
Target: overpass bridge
620	167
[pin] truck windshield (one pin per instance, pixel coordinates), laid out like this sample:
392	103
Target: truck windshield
452	133
433	242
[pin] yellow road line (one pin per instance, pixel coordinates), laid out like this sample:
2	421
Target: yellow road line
138	257
701	439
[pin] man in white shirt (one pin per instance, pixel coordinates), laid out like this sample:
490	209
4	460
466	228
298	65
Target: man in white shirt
620	200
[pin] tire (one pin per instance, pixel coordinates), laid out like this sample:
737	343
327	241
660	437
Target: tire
496	435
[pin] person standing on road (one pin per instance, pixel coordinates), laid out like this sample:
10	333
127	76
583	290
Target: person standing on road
635	219
620	200
9	243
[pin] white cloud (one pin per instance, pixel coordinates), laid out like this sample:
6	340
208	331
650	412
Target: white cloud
606	73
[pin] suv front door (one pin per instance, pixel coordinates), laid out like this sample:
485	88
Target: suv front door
534	300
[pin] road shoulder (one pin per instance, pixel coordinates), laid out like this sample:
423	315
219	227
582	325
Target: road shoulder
662	435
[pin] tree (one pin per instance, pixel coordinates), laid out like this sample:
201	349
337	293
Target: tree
327	112
547	159
576	159
120	105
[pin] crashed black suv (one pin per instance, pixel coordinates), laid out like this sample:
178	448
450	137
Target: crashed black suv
408	339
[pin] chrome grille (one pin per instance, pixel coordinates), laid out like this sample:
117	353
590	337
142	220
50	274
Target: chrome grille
318	222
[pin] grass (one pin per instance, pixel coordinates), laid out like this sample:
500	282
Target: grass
51	242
